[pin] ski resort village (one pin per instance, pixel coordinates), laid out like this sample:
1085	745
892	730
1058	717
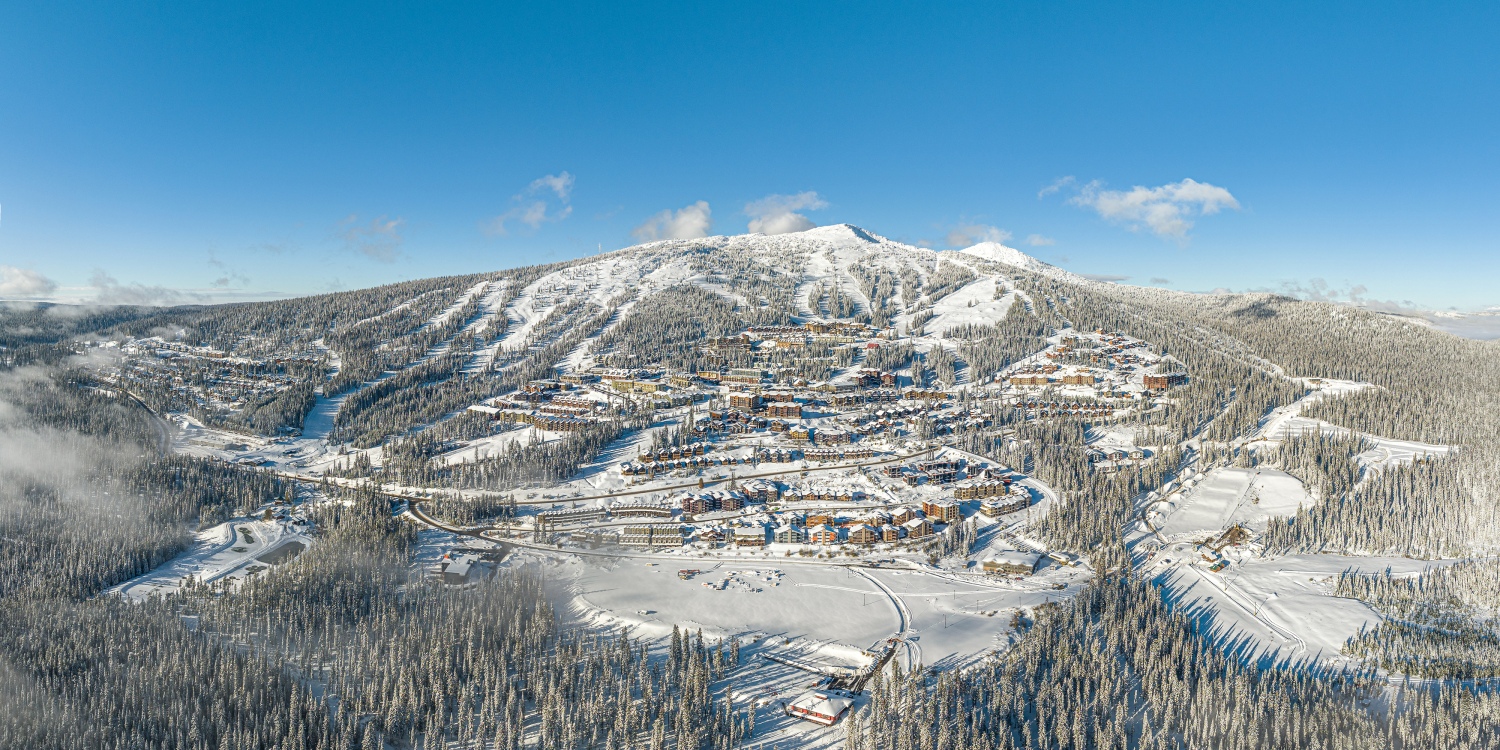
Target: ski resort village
831	454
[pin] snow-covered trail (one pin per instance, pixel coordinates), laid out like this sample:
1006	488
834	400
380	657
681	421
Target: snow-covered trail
524	311
813	273
463	299
574	362
974	303
822	273
320	420
392	311
596	282
1287	422
443	347
492	307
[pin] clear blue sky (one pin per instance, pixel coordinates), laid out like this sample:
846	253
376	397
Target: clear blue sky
243	149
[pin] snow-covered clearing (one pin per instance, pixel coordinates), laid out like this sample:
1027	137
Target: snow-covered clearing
229	550
1227	497
319	420
825	271
398	308
579	359
463	299
816	609
974	303
957	619
491	446
1277	608
824	605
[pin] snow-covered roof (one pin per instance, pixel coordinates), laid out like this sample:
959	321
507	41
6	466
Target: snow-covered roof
823	708
461	565
1014	557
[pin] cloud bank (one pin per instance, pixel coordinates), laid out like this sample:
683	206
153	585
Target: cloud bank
108	291
226	274
687	223
24	283
777	214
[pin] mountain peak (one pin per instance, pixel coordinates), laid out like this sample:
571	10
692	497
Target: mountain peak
842	233
994	251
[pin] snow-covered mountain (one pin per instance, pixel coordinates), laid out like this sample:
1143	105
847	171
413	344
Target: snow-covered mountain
839	256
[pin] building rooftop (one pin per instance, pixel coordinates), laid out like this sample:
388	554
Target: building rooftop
1014	557
821	707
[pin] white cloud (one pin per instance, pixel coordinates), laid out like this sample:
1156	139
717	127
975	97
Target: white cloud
534	211
965	235
1037	240
532	214
1164	210
777	214
687	223
1112	277
108	291
378	240
1057	184
24	282
561	183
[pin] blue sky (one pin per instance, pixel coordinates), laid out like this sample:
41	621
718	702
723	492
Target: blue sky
175	151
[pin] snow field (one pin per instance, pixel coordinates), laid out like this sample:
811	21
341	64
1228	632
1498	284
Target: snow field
955	309
1226	497
1277	608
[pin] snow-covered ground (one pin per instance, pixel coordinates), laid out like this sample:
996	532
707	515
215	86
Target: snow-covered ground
492	445
1227	497
1277	608
974	303
825	605
1265	609
1287	422
817	609
1387	451
226	551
